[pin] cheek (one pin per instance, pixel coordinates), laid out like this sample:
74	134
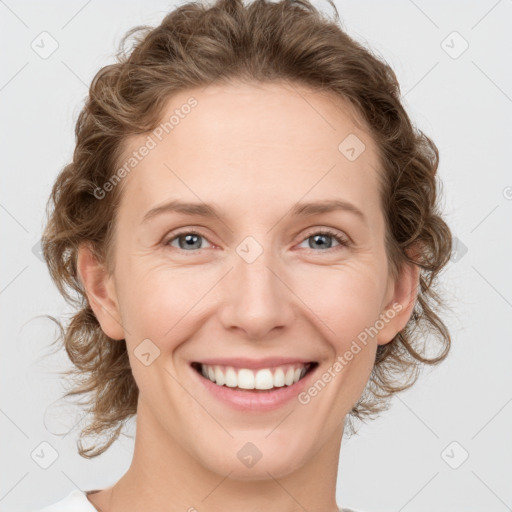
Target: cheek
344	301
157	306
160	303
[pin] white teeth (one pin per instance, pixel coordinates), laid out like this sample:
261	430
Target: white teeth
231	380
219	376
279	378
263	380
244	378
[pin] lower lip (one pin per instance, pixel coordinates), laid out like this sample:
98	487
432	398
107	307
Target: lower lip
258	401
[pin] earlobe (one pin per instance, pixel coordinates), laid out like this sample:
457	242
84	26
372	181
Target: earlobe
100	291
399	309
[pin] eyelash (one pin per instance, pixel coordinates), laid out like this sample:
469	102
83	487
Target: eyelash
342	240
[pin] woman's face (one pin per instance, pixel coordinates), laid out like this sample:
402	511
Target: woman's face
257	286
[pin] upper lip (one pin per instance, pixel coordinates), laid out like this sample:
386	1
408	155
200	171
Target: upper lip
244	362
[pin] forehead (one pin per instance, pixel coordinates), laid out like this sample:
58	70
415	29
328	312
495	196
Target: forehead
242	144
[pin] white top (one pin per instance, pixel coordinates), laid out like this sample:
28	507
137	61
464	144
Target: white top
76	501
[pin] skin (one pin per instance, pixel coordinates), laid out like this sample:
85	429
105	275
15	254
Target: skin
253	151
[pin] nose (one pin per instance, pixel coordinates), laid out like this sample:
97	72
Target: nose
258	300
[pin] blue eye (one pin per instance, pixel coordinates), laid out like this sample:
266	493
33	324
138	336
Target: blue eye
320	236
187	240
190	240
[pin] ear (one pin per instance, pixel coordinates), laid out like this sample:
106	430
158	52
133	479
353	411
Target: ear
402	298
100	291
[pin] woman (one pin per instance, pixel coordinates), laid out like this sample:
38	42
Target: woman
250	222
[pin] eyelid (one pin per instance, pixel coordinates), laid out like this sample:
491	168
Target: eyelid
341	237
183	231
343	240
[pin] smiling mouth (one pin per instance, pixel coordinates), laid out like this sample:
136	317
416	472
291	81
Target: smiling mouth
264	379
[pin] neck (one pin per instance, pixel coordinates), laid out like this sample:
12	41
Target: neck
164	476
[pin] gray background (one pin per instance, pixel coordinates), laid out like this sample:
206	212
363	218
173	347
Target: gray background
404	460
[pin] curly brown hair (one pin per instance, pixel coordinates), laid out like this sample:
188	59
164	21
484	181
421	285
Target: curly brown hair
195	45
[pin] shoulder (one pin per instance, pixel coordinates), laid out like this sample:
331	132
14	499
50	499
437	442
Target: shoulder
75	501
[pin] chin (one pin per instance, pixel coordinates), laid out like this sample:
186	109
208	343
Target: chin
256	457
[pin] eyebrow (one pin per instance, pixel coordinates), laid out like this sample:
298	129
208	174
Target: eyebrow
209	211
